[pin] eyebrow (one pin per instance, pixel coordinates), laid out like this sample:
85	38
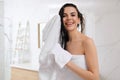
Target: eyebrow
73	12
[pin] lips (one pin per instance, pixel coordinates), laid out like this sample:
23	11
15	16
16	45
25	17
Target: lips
69	23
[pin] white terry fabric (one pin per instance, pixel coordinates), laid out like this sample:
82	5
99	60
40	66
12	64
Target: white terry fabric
52	56
51	34
67	74
61	56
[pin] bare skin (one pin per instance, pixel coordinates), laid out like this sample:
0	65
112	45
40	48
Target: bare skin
80	44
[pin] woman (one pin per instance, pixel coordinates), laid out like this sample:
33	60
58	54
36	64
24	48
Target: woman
76	58
78	44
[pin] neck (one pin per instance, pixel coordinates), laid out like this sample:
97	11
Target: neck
74	35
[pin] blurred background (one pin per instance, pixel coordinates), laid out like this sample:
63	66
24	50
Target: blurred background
21	25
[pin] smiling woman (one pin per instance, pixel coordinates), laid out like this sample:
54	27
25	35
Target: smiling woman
72	55
77	43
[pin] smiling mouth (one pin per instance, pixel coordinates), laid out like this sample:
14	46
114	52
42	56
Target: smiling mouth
69	24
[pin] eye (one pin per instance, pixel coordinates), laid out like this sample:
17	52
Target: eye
72	14
64	15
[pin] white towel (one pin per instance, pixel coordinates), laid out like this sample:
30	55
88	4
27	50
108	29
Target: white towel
52	54
62	57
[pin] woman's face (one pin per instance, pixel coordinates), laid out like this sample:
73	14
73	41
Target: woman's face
70	18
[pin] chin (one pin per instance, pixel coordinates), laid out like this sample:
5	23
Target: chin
70	29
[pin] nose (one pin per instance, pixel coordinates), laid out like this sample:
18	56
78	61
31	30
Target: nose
68	17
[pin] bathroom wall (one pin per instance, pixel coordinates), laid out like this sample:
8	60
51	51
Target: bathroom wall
107	38
2	59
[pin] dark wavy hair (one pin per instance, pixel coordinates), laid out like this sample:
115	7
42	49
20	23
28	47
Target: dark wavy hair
63	32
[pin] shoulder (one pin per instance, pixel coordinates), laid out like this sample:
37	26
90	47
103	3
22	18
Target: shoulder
88	42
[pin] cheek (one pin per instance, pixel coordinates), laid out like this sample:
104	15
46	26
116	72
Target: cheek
64	21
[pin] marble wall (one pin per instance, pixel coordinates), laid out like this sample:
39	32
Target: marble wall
107	39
